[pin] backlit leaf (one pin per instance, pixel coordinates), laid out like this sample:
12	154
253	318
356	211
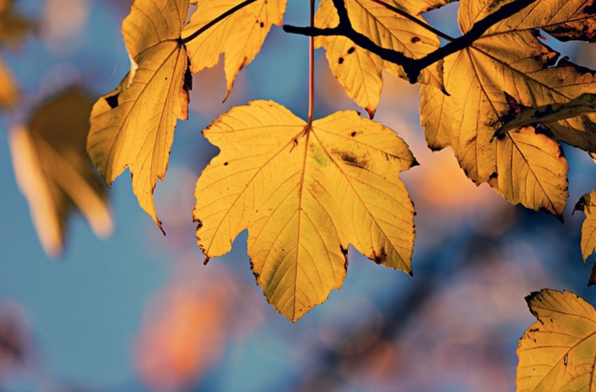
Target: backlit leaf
133	126
54	172
8	91
558	351
360	71
239	36
494	79
587	204
304	194
584	104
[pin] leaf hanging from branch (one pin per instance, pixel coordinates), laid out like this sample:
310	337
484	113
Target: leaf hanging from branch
304	194
133	126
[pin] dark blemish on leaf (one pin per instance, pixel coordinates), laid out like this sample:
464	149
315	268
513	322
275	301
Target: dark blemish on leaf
262	25
353	133
344	251
415	39
113	101
351	159
566	359
381	257
493	176
166	78
225	163
187	78
351	50
341	60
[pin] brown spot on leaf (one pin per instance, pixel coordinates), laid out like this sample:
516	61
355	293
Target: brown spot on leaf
353	133
351	159
262	24
225	163
380	257
341	60
113	101
351	50
493	176
415	39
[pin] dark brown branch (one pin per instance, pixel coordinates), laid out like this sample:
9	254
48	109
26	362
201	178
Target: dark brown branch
412	67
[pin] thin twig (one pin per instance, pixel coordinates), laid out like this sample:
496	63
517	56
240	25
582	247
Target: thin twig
412	67
311	67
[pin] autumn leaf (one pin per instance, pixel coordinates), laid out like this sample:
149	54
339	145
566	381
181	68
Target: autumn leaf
239	36
304	194
558	351
585	103
360	71
587	204
8	89
54	172
133	126
499	75
13	30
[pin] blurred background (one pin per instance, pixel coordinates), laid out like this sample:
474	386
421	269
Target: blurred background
139	312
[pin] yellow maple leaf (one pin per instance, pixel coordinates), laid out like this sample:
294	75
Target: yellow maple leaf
587	204
54	172
360	71
133	126
504	71
558	351
240	36
304	193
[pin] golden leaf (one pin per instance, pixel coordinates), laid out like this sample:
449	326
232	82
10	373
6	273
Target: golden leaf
494	79
8	91
360	71
54	172
133	126
304	193
558	351
587	204
239	36
584	104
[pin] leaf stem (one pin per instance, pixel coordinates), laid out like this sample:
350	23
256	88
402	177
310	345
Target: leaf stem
221	17
311	68
414	19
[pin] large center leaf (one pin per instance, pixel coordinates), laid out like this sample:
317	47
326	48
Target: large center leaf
304	193
133	126
505	70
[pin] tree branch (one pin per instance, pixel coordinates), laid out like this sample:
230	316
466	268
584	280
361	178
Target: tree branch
412	67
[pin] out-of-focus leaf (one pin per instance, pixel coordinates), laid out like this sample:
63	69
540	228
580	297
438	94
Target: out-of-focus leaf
53	169
133	126
304	194
360	71
8	90
587	204
239	36
558	351
495	78
13	27
583	104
